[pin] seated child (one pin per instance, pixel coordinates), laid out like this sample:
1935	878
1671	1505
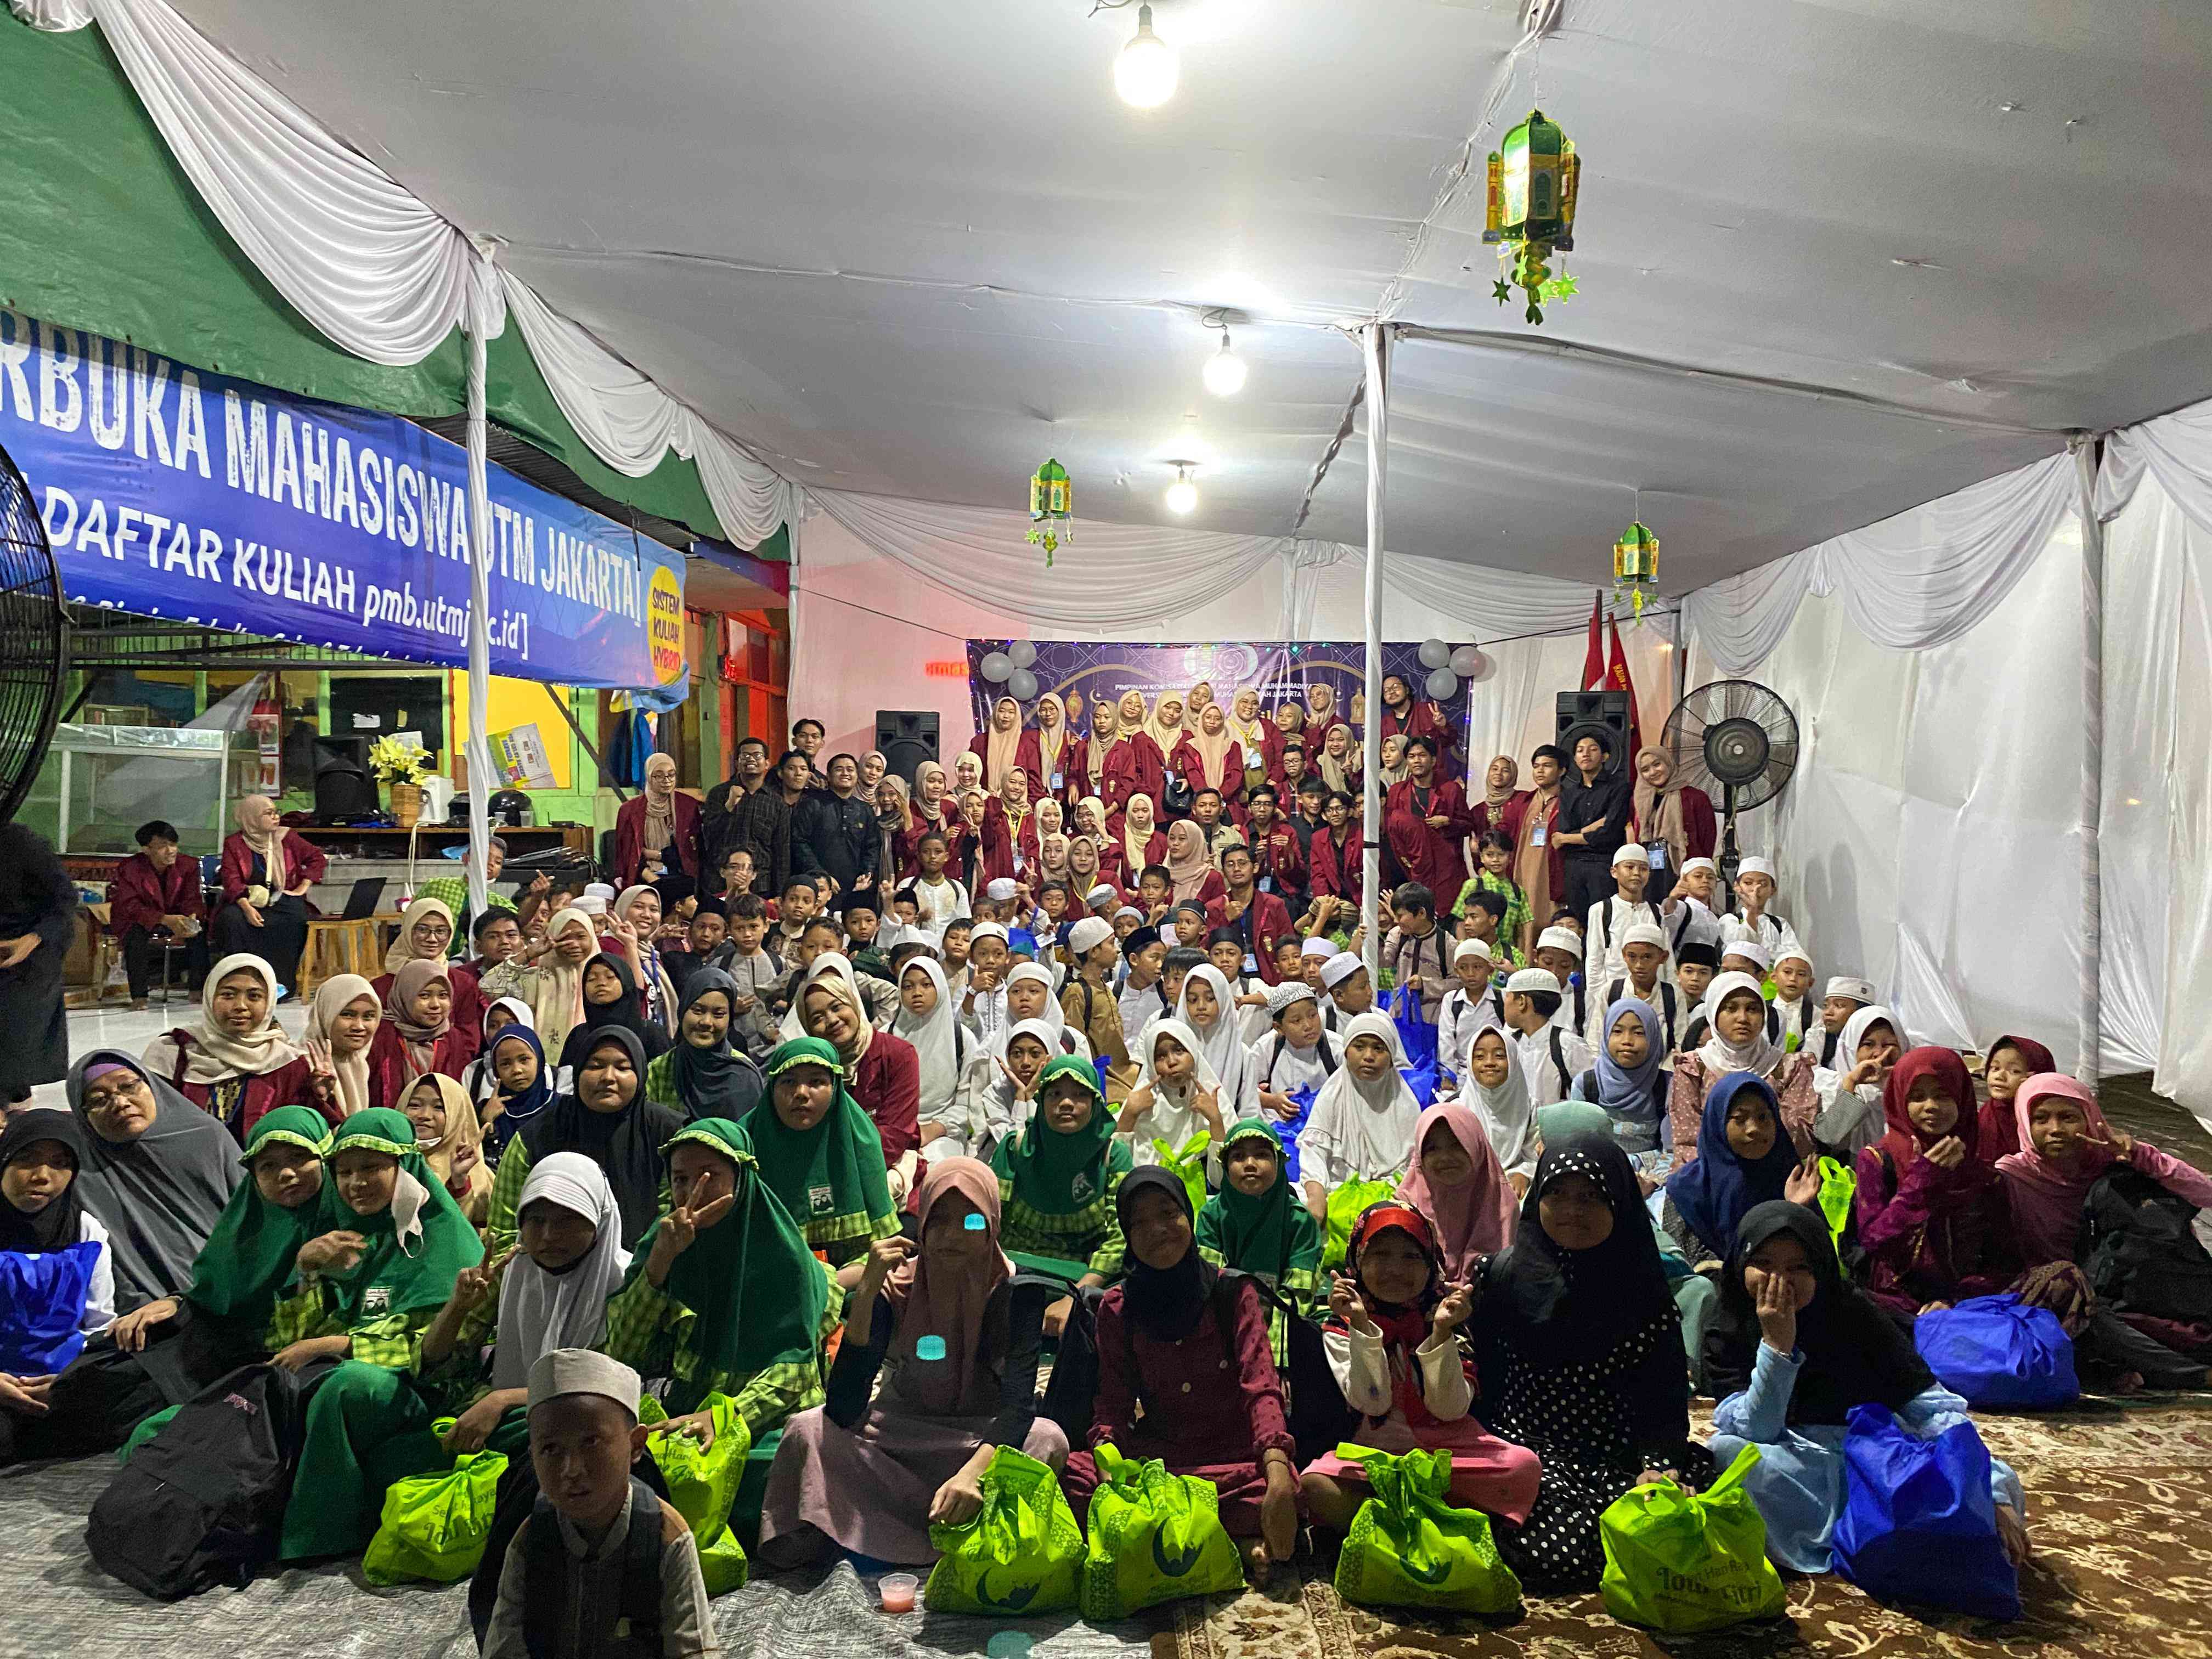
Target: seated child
1743	1158
1630	1077
566	1589
1467	1007
1361	1128
1181	1098
2012	1060
819	1152
1458	1187
1850	1118
1186	1375
1058	1177
1496	1092
1257	1225
41	1214
955	1337
1393	1335
1794	1349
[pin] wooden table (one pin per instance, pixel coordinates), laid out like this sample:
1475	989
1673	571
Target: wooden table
335	945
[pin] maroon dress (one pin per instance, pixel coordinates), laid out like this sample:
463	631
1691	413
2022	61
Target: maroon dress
1216	1406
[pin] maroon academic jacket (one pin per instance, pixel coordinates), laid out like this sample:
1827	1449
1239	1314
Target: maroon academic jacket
140	895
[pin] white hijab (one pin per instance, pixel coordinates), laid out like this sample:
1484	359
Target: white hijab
1507	1112
1759	1055
540	1311
934	1040
1369	1125
1223	1044
1174	1117
1053	1018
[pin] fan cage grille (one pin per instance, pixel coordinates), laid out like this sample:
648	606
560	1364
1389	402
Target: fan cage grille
32	642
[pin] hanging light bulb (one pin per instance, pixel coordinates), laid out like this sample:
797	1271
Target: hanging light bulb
1225	371
1145	73
1183	494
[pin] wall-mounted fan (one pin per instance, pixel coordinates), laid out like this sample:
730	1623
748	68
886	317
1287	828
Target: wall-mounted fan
1737	741
34	632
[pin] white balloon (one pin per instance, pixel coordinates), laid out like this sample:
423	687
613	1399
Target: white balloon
1022	684
1442	686
1466	661
1021	654
1435	653
997	666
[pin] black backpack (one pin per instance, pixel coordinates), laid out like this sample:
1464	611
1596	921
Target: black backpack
2138	1245
202	1502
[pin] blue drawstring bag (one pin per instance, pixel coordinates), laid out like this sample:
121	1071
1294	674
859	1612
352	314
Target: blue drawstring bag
1999	1351
1288	1129
1919	1524
41	1307
1419	1038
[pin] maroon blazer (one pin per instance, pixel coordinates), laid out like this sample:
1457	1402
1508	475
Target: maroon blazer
1187	763
1133	766
302	862
1074	767
1114	861
140	895
468	1009
1277	853
1271	920
290	1085
1430	856
629	839
390	1075
1426	721
887	1083
1336	872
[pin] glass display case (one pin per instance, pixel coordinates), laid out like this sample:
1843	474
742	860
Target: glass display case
99	783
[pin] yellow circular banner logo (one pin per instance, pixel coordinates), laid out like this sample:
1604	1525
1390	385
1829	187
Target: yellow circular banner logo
664	624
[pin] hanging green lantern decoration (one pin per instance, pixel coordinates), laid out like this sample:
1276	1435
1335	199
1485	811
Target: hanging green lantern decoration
1052	503
1635	564
1534	182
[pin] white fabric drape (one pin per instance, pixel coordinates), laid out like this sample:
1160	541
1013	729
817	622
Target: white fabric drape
1487	604
1921	579
2175	449
378	271
631	424
1303	564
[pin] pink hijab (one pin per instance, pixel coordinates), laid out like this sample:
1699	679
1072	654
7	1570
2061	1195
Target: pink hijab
947	1305
1474	1218
2046	1199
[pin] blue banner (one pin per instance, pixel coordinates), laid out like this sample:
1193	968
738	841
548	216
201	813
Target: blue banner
171	492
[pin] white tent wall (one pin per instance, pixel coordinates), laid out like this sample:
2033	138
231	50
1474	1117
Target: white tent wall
2157	838
1929	837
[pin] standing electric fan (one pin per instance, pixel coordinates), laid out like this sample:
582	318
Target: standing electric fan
32	640
1737	741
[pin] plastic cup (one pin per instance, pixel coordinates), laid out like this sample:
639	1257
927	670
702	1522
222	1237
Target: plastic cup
897	1589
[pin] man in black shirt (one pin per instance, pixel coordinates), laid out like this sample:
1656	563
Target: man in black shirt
723	818
834	830
1593	820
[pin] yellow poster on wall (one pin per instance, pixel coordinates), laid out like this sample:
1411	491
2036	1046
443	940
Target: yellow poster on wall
512	705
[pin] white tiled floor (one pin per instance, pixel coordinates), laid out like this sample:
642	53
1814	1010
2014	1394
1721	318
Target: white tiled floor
117	1027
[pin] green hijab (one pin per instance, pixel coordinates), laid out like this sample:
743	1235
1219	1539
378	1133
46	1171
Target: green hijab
832	1175
1057	1174
417	1244
249	1256
756	1291
1274	1234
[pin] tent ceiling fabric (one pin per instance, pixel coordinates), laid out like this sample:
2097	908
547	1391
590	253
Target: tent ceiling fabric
911	250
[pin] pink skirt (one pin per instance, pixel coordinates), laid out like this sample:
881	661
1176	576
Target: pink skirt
868	1488
1493	1475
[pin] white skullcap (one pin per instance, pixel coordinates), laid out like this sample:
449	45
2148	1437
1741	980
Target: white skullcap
1128	910
996	930
1561	938
1858	990
1340	968
1749	949
1792	953
1642	932
1317	947
1534	979
1104	890
600	890
1632	852
590	903
582	1371
1088	934
999	889
1689	864
1281	997
1756	866
1470	947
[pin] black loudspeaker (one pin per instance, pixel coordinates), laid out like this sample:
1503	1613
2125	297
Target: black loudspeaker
906	737
343	788
1600	714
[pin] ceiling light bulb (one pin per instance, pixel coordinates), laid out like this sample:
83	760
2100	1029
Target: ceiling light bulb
1145	73
1225	371
1183	494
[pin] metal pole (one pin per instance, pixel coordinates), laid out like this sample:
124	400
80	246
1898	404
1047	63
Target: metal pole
2092	759
478	749
1375	337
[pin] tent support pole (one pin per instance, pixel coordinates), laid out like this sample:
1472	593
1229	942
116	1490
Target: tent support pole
1375	339
478	747
2084	449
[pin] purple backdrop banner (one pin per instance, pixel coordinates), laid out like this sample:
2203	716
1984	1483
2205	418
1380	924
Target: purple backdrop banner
1280	670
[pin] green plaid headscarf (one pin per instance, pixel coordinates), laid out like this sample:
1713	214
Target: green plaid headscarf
831	1177
1045	1165
1274	1234
248	1258
417	1244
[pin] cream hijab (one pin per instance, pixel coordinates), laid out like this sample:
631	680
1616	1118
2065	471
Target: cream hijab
351	1070
1759	1055
403	950
1136	835
1165	733
1508	1112
217	1056
1001	743
1249	730
555	989
1213	741
1131	714
1051	738
1105	733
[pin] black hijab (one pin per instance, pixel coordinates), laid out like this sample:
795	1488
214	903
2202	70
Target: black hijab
626	1013
60	1223
717	1082
1561	1307
1166	1302
625	1143
1855	1354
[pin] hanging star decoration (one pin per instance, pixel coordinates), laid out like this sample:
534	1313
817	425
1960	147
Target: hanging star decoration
1533	181
1052	504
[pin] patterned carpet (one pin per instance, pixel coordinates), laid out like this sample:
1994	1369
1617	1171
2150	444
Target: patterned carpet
2120	1510
2120	1499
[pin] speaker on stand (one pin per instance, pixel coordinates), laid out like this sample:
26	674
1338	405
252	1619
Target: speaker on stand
906	737
1600	714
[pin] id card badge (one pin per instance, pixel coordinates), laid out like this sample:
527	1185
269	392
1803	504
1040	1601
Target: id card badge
1657	851
1057	783
1540	837
1252	966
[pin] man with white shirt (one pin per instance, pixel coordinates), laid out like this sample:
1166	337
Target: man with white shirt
1688	914
1552	1056
1643	953
1559	952
1754	891
1623	908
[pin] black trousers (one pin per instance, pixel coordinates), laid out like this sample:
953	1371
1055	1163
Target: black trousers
142	949
2111	1342
1589	879
278	941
